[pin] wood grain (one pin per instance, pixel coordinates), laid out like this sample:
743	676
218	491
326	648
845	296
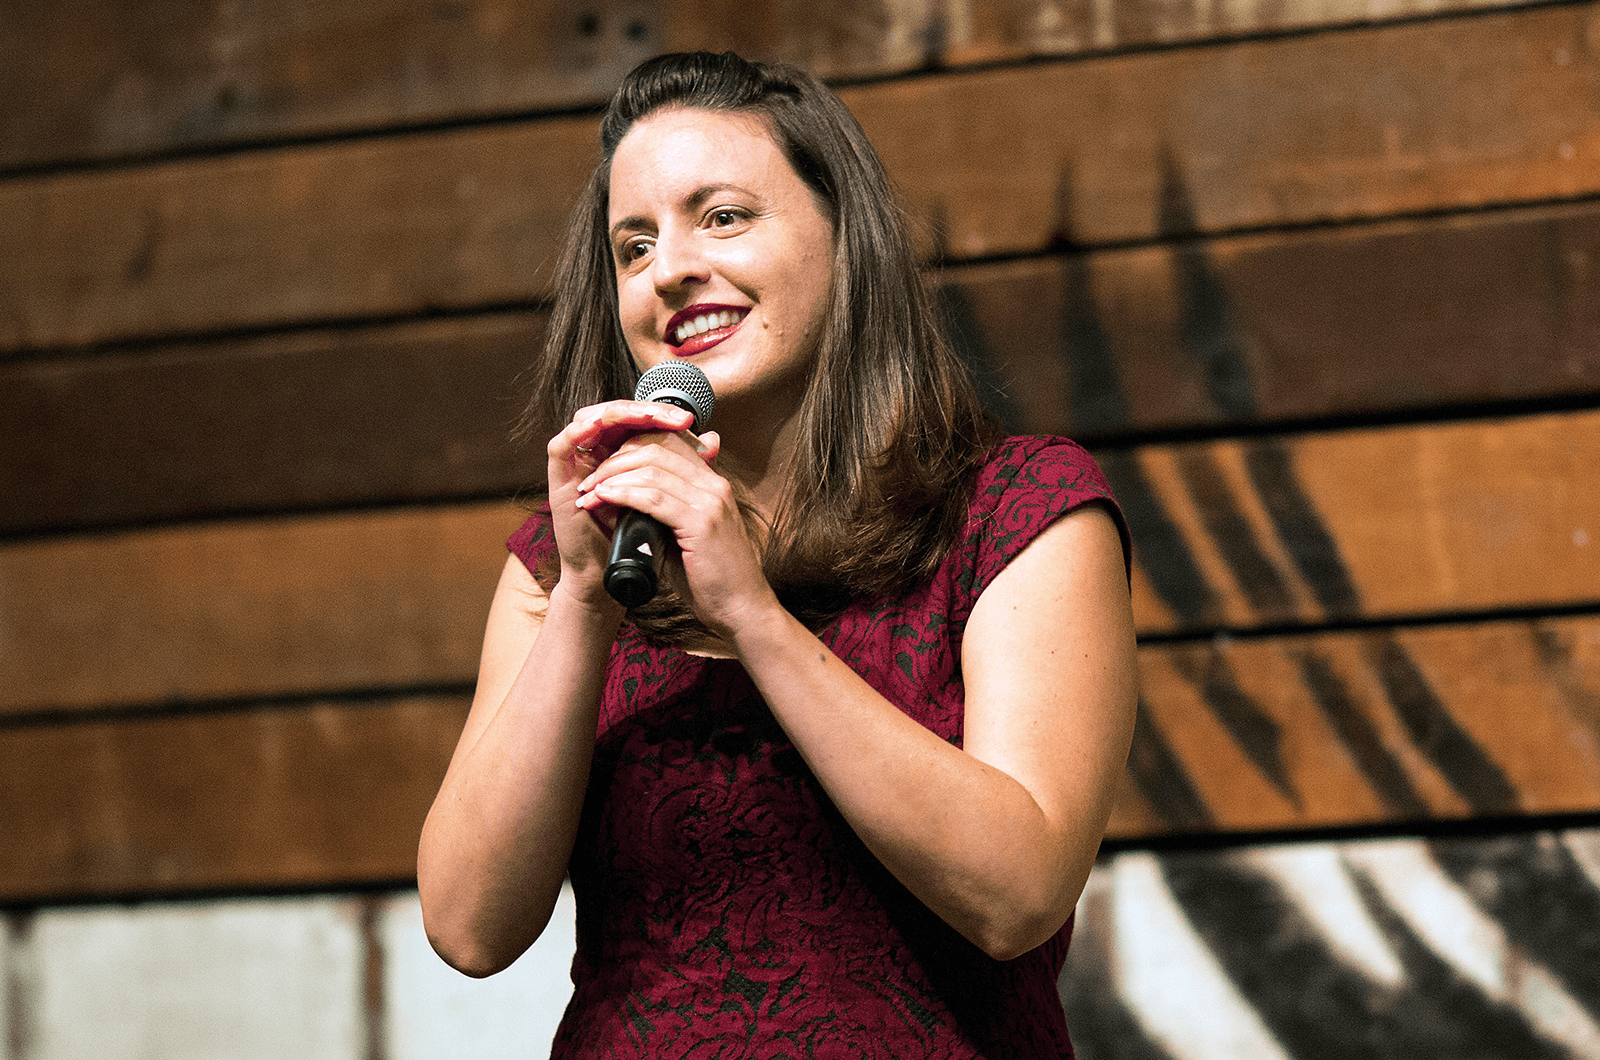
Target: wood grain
309	419
1431	520
1470	516
1332	729
99	79
326	795
1446	115
1282	733
290	606
1250	329
354	230
1369	123
1376	318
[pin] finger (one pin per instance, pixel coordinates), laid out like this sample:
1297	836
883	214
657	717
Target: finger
655	491
597	431
675	454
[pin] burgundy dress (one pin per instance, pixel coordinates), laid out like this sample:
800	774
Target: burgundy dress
725	908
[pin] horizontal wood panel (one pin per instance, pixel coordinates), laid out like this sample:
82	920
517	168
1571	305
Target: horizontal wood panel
1414	118
1421	520
1240	329
309	419
1328	729
1234	330
386	599
370	228
102	79
318	796
1369	123
1428	520
1283	733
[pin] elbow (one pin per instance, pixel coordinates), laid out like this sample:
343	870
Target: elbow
469	958
472	944
1008	938
1019	920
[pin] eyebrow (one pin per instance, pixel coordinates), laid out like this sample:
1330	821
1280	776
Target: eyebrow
695	200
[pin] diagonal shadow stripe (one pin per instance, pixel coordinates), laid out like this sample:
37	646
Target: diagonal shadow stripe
1097	401
1252	728
1161	778
1470	771
961	327
1264	586
1312	548
1359	736
1540	896
1101	1025
1315	1003
1209	329
1162	552
1444	1009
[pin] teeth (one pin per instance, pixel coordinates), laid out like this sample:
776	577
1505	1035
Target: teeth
706	322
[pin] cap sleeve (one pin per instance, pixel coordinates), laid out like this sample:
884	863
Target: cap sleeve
1027	486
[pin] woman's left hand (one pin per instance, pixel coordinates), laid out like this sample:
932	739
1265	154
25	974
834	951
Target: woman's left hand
717	565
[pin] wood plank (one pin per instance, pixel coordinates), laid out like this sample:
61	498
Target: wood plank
1324	128
1433	116
100	79
1423	520
1470	516
324	795
1290	732
1391	725
297	606
305	420
1261	328
1377	318
355	230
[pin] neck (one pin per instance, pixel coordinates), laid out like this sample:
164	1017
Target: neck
757	452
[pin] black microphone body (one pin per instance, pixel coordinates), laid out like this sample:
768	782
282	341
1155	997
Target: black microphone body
634	570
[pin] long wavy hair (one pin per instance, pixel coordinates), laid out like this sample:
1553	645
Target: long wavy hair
891	430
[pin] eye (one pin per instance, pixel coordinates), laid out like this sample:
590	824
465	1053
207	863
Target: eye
725	217
633	250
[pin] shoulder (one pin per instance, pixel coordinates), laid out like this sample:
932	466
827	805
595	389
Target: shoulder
534	543
1030	464
1026	483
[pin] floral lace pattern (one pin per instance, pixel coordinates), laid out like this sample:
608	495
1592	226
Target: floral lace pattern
725	908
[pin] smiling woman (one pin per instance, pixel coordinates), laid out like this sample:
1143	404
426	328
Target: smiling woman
723	256
834	792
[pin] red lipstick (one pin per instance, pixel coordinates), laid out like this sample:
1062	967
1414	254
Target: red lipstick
715	323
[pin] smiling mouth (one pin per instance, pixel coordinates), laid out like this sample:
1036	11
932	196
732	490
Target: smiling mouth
699	323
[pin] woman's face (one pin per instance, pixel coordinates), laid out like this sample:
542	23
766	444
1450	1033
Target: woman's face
723	255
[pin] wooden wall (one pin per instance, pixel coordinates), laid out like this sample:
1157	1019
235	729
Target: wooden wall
1319	283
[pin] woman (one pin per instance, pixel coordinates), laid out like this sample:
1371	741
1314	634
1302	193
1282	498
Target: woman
836	791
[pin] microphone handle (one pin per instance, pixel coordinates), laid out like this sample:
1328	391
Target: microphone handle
637	548
640	543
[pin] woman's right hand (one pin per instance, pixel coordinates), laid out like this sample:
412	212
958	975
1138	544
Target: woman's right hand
583	538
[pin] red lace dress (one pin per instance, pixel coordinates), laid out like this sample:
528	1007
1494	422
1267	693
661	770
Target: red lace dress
725	908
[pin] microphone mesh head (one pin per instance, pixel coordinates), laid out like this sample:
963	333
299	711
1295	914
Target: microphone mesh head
679	383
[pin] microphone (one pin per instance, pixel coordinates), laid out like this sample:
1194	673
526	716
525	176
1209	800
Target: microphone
640	542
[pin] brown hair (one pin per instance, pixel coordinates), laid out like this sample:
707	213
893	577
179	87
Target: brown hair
890	430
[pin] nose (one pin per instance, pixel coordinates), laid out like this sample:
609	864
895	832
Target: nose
679	261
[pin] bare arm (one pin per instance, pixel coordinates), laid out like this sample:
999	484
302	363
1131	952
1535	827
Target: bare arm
498	838
496	842
996	837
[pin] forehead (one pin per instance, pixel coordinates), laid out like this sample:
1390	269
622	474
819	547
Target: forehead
674	152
